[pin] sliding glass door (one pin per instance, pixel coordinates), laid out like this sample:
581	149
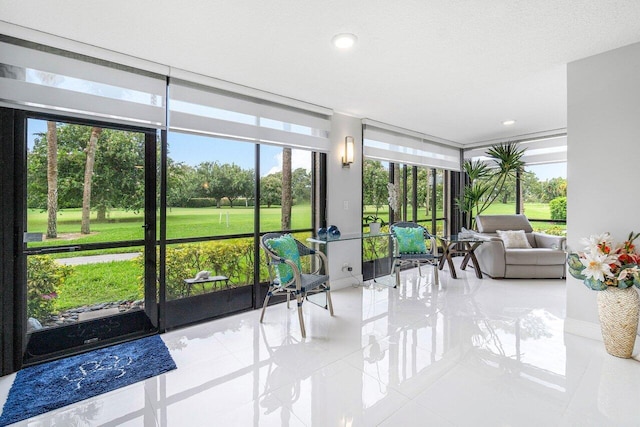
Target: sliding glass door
88	221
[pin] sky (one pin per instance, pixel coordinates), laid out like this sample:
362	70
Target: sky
192	150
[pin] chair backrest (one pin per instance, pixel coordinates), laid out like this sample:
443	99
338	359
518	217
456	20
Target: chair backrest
491	223
405	224
302	249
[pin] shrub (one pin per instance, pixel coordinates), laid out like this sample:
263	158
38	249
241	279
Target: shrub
232	258
201	202
558	207
555	230
44	280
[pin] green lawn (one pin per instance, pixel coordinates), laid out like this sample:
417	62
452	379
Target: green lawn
181	223
102	282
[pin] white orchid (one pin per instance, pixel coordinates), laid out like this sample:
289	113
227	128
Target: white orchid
393	196
594	242
596	266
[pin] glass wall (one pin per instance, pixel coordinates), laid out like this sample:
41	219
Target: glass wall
286	183
544	195
397	192
210	213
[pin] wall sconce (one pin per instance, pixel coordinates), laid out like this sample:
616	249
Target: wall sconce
347	157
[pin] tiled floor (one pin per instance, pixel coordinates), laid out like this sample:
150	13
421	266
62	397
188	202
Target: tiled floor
468	352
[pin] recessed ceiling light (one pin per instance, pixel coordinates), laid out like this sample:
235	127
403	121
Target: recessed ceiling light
344	41
508	122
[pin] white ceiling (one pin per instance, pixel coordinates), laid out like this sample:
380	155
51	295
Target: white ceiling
454	69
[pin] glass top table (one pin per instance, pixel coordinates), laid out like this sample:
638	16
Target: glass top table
456	244
353	236
347	236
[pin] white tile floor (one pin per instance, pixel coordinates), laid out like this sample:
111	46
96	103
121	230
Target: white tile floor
468	352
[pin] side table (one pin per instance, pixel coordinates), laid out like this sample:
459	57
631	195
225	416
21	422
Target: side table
456	244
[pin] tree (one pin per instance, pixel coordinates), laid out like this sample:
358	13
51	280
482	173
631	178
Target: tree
374	184
247	187
92	145
118	171
118	181
181	183
210	183
301	185
554	188
233	182
397	182
52	180
285	218
271	189
424	185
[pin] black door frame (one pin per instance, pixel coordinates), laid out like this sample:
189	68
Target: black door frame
14	343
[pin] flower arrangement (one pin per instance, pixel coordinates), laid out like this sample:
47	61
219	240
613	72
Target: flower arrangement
602	264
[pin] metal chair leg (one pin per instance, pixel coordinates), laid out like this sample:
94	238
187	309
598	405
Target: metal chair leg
435	273
300	299
329	303
397	268
264	306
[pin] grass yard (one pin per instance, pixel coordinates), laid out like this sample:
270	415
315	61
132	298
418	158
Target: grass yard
102	282
181	223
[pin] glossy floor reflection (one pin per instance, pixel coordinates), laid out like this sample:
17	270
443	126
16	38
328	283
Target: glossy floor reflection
466	352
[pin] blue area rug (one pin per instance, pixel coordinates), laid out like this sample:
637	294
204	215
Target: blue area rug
42	388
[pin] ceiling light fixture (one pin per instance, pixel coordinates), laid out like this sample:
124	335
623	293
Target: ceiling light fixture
508	122
344	41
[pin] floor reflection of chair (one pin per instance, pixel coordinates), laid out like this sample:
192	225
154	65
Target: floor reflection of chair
280	375
283	254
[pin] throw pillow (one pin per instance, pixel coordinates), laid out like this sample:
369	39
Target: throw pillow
410	240
514	239
285	247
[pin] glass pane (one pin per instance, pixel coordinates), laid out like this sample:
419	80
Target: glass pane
285	189
229	264
544	193
67	288
375	193
84	184
210	186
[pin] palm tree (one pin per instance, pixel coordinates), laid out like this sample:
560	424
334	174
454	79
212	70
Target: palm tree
286	189
52	180
486	181
92	145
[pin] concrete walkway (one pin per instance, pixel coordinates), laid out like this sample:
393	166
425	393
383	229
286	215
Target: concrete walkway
94	259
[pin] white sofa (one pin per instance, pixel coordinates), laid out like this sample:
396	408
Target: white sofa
545	259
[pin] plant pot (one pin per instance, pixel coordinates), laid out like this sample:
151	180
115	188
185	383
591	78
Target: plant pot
618	311
374	228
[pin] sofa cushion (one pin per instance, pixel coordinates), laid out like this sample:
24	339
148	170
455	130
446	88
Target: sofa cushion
535	256
514	239
491	223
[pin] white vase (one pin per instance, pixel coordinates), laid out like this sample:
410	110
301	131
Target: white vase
374	228
618	312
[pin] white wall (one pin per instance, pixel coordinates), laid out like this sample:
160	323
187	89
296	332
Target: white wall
603	167
344	201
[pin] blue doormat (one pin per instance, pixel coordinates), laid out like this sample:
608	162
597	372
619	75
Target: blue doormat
42	388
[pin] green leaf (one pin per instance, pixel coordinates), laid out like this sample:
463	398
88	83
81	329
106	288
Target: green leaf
595	284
